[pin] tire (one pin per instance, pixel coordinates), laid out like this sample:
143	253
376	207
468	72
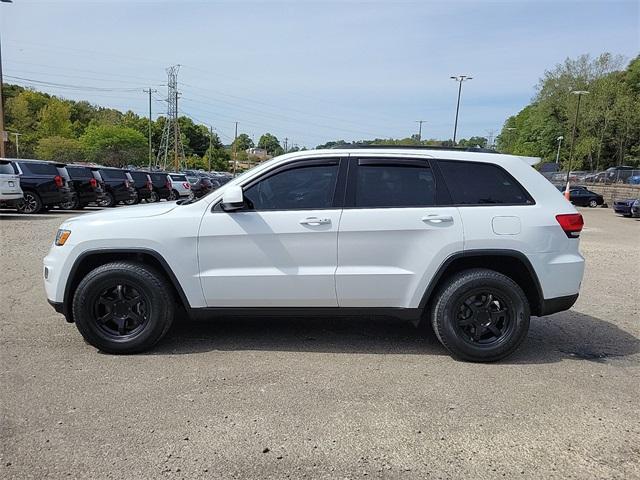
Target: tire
480	315
72	204
30	203
132	201
108	201
593	203
106	317
153	197
173	195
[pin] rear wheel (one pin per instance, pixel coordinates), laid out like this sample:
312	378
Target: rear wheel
480	315
132	201
108	200
593	203
123	307
70	204
30	203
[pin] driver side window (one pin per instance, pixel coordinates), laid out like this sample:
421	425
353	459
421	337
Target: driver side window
298	188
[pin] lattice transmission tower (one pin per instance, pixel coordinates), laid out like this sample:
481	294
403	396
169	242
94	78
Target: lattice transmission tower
171	151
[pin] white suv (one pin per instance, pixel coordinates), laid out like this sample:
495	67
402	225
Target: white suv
473	242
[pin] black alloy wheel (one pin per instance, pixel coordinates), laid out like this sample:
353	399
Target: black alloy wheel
121	311
30	203
483	318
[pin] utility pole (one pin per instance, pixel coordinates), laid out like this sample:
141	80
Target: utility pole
420	122
579	93
286	141
459	79
490	138
210	145
2	133
150	91
235	151
17	143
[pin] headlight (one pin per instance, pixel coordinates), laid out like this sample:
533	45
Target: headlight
636	203
62	236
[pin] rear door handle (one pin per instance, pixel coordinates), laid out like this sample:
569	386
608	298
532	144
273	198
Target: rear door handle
436	219
315	221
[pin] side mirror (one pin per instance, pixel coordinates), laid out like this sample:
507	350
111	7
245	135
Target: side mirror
232	199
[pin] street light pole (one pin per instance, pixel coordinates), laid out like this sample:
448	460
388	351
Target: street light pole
17	143
560	138
459	79
579	93
420	122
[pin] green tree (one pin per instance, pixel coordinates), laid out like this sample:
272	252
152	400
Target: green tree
271	144
243	142
61	149
55	119
114	145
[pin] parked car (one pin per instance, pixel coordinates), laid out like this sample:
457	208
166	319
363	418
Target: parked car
634	180
42	185
635	209
143	185
9	182
86	187
180	186
618	174
623	206
200	186
161	186
585	198
118	185
475	243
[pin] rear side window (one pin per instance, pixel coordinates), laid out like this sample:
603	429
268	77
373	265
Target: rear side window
472	183
113	174
139	177
79	172
310	187
6	168
394	185
39	168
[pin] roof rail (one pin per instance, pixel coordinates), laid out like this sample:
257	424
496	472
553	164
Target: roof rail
349	146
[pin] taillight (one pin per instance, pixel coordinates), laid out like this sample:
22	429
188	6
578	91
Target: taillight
571	223
168	184
126	183
93	182
187	185
150	185
58	180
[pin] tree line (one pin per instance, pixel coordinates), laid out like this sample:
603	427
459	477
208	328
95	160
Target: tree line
53	128
608	125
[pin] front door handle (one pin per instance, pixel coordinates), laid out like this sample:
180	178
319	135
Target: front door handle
436	219
315	221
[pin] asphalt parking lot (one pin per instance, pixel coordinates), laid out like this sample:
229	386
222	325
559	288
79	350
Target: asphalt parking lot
317	398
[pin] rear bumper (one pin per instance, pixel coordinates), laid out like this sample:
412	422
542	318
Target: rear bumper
57	306
558	304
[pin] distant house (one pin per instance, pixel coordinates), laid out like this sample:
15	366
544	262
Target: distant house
258	153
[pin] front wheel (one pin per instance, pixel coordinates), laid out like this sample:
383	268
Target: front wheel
480	315
71	204
173	195
108	200
154	197
123	307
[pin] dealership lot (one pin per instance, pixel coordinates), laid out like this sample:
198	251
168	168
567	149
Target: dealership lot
318	398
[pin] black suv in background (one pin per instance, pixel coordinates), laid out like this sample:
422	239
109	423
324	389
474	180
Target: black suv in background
44	185
143	186
117	186
86	186
161	186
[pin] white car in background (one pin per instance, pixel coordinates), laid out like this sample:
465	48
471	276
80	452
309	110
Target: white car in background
9	182
180	186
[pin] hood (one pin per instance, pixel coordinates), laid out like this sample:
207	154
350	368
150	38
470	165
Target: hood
124	213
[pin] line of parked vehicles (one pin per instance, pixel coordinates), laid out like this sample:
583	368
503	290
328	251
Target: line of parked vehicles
33	186
581	196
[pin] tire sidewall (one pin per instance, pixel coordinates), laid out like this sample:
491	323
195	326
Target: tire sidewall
445	316
147	282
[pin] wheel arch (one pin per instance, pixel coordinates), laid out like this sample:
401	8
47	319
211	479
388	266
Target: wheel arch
511	263
92	259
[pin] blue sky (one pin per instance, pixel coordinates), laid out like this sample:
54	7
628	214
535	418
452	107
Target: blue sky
311	71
